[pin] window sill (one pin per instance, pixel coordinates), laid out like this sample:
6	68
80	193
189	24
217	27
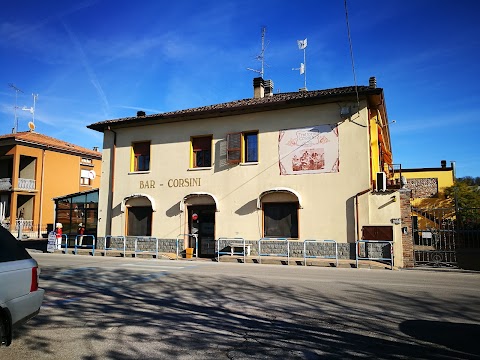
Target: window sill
138	172
249	163
199	168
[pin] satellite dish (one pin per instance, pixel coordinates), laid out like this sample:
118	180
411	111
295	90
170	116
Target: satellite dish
92	174
31	125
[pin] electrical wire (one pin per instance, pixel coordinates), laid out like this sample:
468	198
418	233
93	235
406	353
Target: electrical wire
351	55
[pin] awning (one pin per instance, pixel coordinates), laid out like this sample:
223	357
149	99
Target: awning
198	193
124	201
278	189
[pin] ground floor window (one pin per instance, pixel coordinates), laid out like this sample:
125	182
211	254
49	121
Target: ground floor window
139	221
280	219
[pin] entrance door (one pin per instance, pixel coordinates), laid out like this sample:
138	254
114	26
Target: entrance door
201	221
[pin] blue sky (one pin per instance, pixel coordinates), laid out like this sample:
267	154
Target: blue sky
96	60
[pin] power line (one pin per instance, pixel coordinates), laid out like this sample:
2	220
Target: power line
351	55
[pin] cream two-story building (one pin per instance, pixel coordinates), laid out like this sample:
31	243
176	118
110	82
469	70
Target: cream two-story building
300	165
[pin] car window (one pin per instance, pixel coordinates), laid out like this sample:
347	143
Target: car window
10	248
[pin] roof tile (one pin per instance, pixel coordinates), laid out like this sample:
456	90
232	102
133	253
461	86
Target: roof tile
47	141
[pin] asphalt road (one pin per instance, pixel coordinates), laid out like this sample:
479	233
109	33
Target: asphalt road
119	308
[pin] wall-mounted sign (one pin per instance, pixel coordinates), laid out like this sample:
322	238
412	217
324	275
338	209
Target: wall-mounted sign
186	182
147	184
172	183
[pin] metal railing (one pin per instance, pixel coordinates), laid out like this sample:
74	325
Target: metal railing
62	245
232	243
115	239
145	250
323	243
271	240
367	257
82	238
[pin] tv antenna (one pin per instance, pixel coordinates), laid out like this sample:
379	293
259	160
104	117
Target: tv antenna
15	122
261	56
31	124
302	45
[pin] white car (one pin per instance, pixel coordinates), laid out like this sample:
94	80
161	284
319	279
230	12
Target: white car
20	296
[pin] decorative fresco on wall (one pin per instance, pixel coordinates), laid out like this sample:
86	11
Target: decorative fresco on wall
310	150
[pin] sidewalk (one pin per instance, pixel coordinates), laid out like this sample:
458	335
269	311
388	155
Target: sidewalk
266	260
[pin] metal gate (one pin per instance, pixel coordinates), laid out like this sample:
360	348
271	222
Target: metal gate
439	234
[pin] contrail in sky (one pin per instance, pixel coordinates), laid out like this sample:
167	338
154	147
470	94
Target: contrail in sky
91	74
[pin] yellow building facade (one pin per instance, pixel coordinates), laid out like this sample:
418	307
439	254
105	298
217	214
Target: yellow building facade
428	185
296	166
428	200
34	169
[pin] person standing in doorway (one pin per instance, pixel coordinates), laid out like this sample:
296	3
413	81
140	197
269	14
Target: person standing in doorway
81	231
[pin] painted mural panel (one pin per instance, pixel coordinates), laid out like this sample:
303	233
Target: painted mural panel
310	150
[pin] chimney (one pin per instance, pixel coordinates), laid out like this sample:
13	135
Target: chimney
372	82
268	87
95	148
140	113
443	163
258	88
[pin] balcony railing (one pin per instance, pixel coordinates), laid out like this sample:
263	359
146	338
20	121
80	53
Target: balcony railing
24	224
26	184
6	184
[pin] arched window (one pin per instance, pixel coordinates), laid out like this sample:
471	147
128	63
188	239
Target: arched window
280	212
139	209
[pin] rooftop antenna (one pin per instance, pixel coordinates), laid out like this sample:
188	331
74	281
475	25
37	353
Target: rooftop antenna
261	57
31	124
15	123
302	45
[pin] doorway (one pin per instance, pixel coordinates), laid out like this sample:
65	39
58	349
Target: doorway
201	221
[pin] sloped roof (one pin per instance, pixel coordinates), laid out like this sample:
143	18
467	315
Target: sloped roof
76	194
40	140
276	101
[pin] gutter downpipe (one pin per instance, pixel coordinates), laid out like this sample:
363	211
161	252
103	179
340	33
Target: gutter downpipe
112	179
41	195
357	212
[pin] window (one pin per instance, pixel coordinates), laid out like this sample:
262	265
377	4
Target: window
250	147
139	221
242	147
201	151
85	177
11	249
87	162
280	219
141	156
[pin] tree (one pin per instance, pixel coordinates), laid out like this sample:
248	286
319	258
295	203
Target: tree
469	180
466	196
467	202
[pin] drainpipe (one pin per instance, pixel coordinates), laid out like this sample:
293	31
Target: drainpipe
112	178
41	194
357	212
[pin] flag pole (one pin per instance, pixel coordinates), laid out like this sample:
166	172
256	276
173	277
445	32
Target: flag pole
305	67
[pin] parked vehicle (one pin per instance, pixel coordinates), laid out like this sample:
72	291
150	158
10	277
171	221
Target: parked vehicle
20	296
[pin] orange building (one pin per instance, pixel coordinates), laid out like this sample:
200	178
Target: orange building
34	169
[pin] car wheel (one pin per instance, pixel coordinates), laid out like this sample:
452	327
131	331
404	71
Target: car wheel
3	338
